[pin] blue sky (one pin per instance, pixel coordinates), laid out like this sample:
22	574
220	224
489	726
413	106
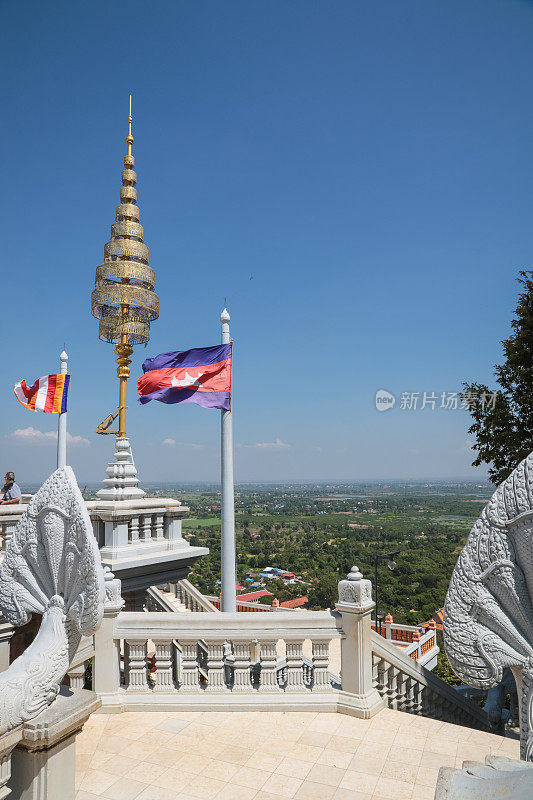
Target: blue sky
355	177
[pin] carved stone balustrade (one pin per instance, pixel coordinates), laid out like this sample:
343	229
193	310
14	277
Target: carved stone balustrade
140	539
213	656
207	660
407	686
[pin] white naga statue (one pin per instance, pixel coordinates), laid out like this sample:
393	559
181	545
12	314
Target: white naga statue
488	614
52	567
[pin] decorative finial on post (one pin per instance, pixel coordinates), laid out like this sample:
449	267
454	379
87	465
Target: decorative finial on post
355	590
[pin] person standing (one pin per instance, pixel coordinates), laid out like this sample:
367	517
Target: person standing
12	493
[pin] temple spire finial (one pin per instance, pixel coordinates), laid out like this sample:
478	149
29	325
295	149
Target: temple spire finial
129	137
123	298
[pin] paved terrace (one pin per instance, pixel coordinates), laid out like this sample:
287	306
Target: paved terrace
272	756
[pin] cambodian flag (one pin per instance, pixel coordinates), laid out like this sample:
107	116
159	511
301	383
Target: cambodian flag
201	376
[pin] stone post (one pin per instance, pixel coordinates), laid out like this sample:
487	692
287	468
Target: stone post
416	638
388	626
357	696
7	743
44	761
106	661
6	632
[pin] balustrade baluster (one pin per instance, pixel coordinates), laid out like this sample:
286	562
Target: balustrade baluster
77	676
146	527
295	675
241	674
390	685
269	678
137	675
163	662
215	665
189	666
159	526
134	530
176	664
321	681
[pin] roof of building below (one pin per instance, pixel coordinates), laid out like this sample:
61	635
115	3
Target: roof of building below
437	618
298	602
248	596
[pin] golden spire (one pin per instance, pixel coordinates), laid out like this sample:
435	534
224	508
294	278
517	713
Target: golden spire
123	298
129	137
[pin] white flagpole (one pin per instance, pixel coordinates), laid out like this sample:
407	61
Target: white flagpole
62	422
228	597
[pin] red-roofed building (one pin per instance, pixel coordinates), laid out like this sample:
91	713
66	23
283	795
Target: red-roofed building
436	618
254	597
239	588
298	602
288	577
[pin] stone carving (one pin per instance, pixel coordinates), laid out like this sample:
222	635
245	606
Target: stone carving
497	779
488	614
51	567
113	591
355	590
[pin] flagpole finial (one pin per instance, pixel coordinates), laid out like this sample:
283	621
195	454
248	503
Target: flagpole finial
225	317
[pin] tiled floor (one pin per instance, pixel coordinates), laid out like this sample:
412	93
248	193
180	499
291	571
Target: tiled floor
271	756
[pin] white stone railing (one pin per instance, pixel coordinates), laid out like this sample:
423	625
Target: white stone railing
140	540
139	522
134	522
244	605
9	517
424	650
191	597
218	660
408	686
419	644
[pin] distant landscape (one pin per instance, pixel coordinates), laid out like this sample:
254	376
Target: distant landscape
318	531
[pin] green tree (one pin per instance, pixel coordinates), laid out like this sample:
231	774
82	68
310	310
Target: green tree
443	669
504	428
325	593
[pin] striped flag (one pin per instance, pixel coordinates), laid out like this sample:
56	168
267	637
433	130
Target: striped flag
201	376
48	394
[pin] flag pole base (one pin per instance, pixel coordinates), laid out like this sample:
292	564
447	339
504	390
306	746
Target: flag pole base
122	483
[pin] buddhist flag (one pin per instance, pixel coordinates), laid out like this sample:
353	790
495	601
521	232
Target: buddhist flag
201	376
48	394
